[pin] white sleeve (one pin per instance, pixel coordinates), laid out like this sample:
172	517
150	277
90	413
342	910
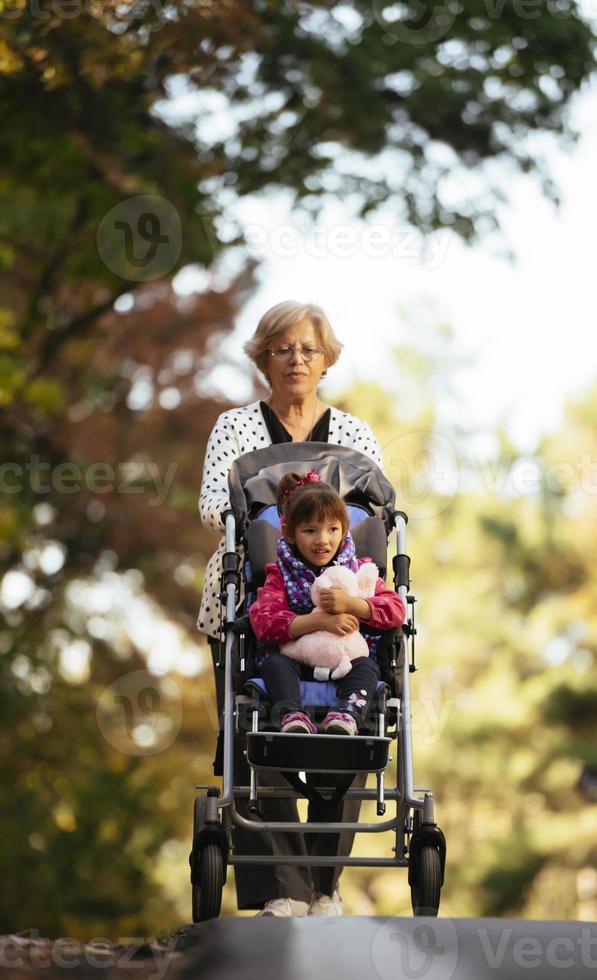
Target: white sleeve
361	437
372	447
222	448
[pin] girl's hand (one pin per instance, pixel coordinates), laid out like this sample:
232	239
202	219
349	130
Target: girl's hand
341	624
335	600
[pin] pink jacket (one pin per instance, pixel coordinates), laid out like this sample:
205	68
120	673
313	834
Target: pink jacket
271	615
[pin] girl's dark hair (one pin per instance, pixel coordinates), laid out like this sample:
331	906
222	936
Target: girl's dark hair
309	502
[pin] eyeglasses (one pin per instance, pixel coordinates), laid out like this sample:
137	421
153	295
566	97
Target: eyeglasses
285	353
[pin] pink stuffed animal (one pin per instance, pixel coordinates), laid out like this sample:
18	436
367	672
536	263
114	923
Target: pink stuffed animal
324	649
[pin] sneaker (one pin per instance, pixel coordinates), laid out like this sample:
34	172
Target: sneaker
284	907
326	905
339	723
298	723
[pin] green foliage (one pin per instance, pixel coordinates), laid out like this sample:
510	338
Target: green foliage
506	886
89	830
576	709
84	127
503	701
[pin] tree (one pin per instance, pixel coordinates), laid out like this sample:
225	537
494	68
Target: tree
302	84
100	483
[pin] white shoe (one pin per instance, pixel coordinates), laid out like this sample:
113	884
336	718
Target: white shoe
324	905
284	907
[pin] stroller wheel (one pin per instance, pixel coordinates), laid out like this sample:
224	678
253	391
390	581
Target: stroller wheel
207	894
425	892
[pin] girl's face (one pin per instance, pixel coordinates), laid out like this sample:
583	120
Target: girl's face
318	541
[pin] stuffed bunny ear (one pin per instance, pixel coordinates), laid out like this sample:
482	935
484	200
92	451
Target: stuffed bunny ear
367	576
340	575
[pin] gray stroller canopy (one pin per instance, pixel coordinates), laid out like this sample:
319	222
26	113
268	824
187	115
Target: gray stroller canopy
253	479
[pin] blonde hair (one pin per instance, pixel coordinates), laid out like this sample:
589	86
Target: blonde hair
278	319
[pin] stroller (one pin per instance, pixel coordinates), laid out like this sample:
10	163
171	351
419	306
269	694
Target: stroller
252	528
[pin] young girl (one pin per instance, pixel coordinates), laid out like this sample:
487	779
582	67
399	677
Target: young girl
315	535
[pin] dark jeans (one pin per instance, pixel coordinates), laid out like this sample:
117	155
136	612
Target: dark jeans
283	676
257	884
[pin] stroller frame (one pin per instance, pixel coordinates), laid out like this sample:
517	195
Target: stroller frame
419	845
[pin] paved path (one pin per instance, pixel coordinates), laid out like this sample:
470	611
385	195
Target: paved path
347	948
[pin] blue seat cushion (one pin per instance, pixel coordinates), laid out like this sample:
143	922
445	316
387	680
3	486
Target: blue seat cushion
356	514
314	694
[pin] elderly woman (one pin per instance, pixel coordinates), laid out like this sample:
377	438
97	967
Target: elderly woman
293	347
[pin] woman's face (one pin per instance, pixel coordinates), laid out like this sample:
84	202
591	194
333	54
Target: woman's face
296	376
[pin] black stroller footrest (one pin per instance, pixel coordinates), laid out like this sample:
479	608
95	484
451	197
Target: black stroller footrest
317	753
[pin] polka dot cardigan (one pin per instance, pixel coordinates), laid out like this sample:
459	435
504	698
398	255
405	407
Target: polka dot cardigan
239	431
